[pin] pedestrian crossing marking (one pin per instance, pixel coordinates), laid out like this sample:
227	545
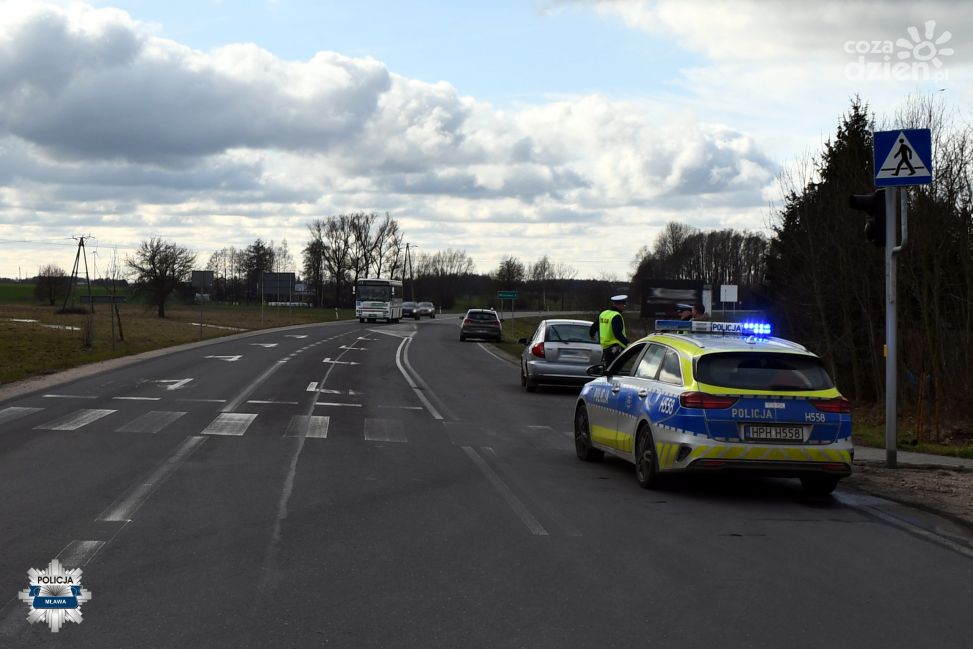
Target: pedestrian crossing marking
384	430
229	423
75	420
309	426
9	414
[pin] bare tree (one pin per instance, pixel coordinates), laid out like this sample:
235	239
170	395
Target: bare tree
51	284
159	266
510	272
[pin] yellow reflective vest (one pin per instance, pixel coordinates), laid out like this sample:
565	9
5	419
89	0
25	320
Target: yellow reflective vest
605	331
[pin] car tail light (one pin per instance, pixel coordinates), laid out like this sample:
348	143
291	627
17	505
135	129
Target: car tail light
538	350
467	321
838	405
494	323
703	400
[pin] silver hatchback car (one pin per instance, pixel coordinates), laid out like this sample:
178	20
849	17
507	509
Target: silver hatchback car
559	352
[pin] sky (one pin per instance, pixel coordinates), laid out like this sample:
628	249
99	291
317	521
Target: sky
574	129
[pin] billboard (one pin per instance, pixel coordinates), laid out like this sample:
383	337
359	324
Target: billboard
277	283
660	296
202	279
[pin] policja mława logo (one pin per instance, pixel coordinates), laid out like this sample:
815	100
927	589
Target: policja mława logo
54	595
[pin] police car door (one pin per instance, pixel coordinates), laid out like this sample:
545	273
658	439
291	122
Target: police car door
623	368
637	391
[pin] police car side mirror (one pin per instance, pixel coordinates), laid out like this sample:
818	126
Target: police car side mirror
596	370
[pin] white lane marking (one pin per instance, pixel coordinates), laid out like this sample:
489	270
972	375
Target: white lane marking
515	503
69	396
338	405
401	408
273	403
126	505
299	337
357	349
136	398
228	359
327	359
264	345
78	553
495	355
873	505
412	384
247	391
400	334
534	496
15	412
313	387
151	422
75	420
362	338
203	400
314	425
384	430
229	423
171	384
196	324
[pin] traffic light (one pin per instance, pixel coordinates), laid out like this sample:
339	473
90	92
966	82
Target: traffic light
874	207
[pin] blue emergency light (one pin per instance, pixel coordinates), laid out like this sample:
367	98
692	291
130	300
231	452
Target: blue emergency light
748	328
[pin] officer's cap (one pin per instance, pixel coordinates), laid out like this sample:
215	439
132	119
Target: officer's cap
684	307
619	298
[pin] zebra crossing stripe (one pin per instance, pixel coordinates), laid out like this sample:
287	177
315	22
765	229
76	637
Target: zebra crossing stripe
384	430
151	422
75	420
313	426
9	414
229	423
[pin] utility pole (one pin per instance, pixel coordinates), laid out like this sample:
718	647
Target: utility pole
410	270
74	271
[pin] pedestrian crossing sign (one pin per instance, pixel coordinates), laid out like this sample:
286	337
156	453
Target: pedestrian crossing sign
903	157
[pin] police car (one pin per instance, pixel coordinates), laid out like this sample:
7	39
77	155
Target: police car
711	396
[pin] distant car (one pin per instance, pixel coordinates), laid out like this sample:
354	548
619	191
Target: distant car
426	309
559	352
717	396
409	310
481	323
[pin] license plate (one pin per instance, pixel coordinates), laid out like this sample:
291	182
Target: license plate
574	355
774	433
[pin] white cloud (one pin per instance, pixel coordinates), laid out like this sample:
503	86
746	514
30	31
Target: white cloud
138	136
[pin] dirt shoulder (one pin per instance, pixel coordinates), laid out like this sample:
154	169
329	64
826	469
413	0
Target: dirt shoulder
945	491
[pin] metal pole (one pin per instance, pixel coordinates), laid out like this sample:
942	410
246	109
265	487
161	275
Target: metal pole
891	364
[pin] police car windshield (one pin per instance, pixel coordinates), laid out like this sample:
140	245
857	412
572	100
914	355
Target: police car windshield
763	371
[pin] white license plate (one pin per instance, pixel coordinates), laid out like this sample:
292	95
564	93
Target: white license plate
774	433
574	355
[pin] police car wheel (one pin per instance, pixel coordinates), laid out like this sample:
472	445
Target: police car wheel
582	437
646	470
819	485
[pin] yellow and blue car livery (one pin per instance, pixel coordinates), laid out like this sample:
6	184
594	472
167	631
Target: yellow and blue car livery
717	396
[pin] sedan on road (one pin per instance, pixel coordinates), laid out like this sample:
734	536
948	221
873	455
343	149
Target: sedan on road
426	309
409	310
559	352
481	323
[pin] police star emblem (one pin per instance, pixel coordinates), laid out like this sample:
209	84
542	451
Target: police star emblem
54	595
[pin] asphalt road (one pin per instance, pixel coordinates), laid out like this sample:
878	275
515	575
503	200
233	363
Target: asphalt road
355	485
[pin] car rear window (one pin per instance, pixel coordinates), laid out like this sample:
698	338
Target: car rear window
568	333
482	315
425	305
763	371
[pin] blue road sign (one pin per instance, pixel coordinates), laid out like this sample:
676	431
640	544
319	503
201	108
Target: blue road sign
903	157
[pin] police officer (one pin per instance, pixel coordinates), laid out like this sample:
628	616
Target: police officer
610	328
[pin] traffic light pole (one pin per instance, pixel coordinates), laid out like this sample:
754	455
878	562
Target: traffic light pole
891	358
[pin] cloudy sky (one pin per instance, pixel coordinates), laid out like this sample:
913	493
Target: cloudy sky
571	128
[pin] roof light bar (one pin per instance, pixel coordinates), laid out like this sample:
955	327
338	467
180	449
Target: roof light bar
747	328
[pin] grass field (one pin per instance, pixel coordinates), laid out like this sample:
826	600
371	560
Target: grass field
37	340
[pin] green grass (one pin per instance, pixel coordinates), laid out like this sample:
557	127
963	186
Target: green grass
31	349
16	293
870	434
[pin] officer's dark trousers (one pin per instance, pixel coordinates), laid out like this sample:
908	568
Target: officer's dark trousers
609	354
